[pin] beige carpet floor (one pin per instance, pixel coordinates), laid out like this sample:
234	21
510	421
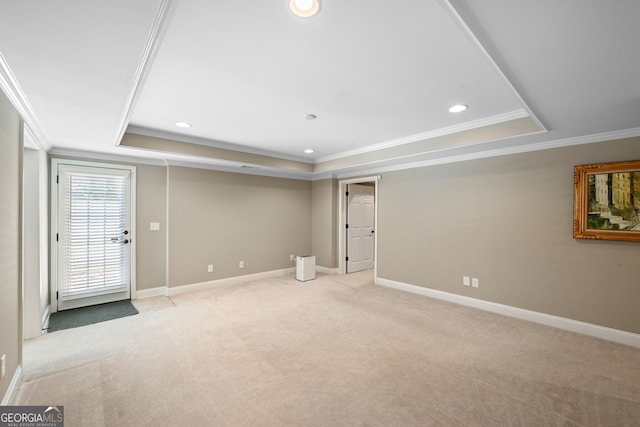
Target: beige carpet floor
336	351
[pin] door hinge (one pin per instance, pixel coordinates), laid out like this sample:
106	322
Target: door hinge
347	258
57	237
56	295
347	226
57	179
347	194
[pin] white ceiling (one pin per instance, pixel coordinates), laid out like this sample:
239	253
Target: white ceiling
376	73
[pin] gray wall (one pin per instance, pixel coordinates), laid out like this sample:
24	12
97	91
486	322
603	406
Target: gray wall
10	183
151	246
216	218
324	217
221	218
508	221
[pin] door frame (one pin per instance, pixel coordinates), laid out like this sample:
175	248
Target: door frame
342	221
53	226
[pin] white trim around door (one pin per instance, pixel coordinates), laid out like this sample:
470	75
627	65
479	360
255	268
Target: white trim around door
116	239
342	221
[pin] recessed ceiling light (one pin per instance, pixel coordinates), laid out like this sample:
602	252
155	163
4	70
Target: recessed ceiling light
458	108
183	125
304	8
309	151
310	117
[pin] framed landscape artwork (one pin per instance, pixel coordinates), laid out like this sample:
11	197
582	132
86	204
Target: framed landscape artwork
607	201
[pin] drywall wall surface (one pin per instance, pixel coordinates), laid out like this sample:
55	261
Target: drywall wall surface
221	218
508	221
10	225
151	207
324	222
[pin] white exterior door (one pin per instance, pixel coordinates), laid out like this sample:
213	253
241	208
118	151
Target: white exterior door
360	231
93	240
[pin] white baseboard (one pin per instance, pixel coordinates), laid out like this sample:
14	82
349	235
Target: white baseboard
602	332
326	270
167	291
153	292
229	281
45	317
13	387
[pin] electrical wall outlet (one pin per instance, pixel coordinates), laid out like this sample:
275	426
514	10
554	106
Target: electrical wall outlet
210	268
475	282
154	226
466	281
292	257
241	264
4	365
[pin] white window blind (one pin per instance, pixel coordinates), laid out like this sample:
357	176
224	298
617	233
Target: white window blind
93	231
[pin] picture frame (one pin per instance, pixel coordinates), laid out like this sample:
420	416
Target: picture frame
607	201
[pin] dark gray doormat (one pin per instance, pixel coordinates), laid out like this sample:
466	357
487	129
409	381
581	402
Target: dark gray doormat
88	315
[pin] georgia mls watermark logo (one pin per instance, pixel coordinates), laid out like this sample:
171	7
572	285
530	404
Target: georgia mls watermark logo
31	416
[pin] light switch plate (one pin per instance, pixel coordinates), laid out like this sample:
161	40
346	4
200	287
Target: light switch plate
154	226
466	281
475	282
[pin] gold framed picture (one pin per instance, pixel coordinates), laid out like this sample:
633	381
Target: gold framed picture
607	201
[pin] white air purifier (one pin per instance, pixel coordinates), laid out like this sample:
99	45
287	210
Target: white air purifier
305	267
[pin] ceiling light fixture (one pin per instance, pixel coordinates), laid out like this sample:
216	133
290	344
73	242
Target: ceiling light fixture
310	117
184	125
458	108
304	8
309	151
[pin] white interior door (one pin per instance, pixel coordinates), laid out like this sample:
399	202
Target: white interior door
93	234
360	227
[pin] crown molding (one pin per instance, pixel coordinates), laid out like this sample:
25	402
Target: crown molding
155	133
352	171
243	169
505	151
108	157
474	32
466	24
158	29
184	161
319	176
10	86
474	124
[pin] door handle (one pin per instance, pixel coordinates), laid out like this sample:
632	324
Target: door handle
118	239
